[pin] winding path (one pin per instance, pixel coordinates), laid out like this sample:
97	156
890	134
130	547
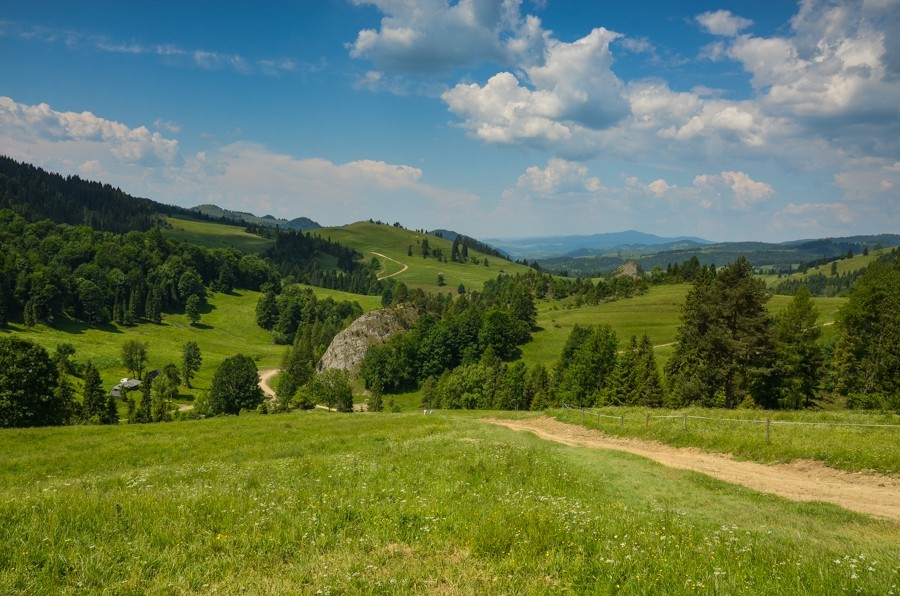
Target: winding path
404	265
802	480
264	377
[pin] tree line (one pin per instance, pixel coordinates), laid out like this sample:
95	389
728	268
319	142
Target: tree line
49	271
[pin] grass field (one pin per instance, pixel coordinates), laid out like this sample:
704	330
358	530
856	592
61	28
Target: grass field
656	313
214	235
394	242
854	448
313	502
227	327
844	266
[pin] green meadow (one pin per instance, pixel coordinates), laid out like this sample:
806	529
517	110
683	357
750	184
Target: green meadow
316	502
656	313
214	235
844	266
227	327
393	242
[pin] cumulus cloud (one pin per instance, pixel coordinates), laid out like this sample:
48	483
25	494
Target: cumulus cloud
129	145
438	36
723	22
244	176
574	91
558	178
835	65
739	186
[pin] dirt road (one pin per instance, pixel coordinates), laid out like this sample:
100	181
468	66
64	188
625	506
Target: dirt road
804	480
264	377
405	266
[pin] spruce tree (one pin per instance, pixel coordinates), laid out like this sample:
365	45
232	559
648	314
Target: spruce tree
724	342
798	366
93	400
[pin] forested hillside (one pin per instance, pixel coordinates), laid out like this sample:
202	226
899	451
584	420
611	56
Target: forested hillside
37	194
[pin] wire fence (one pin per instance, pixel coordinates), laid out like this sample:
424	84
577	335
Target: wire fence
684	417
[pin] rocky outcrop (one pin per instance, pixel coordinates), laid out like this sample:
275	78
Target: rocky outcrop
630	269
348	347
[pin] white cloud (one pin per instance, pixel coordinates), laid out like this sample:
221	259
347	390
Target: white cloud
436	36
243	176
558	178
722	22
24	123
739	186
575	92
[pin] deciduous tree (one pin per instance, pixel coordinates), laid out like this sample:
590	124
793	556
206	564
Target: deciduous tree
235	386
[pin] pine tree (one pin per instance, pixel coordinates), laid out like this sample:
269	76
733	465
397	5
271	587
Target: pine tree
110	412
154	306
799	361
132	314
93	401
267	311
724	342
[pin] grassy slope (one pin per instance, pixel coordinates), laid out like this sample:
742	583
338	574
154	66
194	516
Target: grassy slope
364	503
422	273
227	327
214	235
858	262
656	313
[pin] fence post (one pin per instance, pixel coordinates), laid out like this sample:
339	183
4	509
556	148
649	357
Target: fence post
582	414
768	423
621	420
684	422
647	422
598	420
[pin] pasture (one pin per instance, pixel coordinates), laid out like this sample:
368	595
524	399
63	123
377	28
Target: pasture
656	313
313	502
227	327
393	242
214	235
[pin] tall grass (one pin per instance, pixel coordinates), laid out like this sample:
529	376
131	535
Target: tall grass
365	503
832	439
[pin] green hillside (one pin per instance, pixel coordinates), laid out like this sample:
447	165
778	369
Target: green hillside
214	235
844	267
227	327
369	238
656	313
312	502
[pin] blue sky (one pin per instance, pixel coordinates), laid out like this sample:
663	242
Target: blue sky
497	118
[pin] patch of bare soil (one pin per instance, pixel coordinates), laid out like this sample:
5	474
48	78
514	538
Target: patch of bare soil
803	480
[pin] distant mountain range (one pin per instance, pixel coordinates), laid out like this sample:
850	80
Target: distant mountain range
630	241
299	223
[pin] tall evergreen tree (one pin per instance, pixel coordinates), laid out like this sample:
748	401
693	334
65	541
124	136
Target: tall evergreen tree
93	401
867	351
799	357
724	341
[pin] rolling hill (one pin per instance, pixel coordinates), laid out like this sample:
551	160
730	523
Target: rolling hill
394	245
298	223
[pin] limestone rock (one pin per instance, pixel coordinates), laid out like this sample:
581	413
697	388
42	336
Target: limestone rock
348	347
